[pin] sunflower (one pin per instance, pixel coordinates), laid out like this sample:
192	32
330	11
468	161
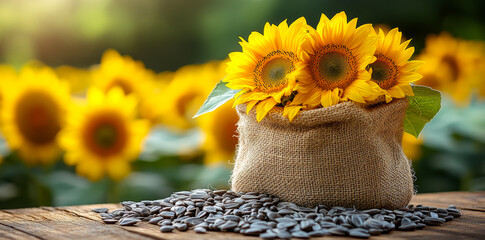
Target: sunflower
265	70
334	60
130	75
219	128
452	65
392	72
33	113
102	136
186	92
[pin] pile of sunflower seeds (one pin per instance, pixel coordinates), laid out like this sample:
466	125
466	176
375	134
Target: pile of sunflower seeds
264	215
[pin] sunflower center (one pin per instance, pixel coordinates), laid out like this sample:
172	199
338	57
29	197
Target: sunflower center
275	70
123	84
270	73
333	66
453	65
384	72
183	103
37	117
106	134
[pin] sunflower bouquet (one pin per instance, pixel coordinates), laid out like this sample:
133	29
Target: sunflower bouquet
322	113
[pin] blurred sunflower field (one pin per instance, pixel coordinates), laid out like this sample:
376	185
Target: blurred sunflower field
97	97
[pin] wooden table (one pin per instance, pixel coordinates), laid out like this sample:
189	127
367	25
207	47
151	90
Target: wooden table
78	222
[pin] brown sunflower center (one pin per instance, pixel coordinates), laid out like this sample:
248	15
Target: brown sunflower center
270	73
384	72
123	84
333	66
37	117
183	103
106	134
453	65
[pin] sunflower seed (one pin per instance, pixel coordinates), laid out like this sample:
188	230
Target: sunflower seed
375	231
167	214
306	225
300	234
431	221
155	220
128	221
193	221
110	220
318	233
166	229
200	230
253	231
282	234
359	233
181	226
266	216
420	225
285	225
357	221
106	215
199	195
285	211
408	227
338	231
179	210
229	225
268	235
210	209
100	210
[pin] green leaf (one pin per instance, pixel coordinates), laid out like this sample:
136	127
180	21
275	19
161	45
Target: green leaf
423	106
219	95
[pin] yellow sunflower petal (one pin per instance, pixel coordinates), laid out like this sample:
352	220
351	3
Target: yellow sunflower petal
250	106
396	92
329	98
118	170
291	111
412	66
93	170
264	107
407	89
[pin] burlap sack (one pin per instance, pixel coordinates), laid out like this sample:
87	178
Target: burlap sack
344	155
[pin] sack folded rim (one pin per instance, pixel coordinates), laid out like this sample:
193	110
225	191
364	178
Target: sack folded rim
339	112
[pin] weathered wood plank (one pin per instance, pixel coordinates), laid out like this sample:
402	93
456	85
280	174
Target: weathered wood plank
8	232
465	200
50	223
79	222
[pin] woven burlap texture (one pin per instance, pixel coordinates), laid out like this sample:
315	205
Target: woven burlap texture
345	155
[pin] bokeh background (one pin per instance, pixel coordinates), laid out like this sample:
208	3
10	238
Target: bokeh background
179	48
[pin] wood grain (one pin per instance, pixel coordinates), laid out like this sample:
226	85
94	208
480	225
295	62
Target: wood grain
78	222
